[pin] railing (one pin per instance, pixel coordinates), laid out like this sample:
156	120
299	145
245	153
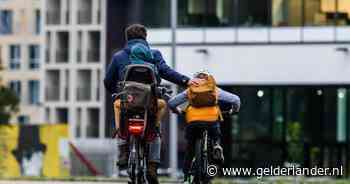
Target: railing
53	17
84	17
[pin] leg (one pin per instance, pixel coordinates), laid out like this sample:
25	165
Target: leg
190	151
123	146
116	106
153	160
161	111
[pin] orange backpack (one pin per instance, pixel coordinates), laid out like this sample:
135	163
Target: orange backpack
203	95
203	102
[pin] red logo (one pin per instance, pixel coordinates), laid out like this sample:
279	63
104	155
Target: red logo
130	98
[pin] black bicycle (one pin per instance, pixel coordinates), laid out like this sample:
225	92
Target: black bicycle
203	166
138	96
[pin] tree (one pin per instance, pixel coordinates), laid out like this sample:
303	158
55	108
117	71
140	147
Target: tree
8	103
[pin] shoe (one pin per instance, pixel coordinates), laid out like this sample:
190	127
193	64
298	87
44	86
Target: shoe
151	174
218	153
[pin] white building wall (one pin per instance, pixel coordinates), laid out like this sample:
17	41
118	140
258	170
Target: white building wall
262	56
70	71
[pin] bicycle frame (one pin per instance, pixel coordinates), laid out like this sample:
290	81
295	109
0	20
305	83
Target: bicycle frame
137	160
200	164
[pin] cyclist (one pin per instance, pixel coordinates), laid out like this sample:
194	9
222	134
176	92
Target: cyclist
136	34
202	116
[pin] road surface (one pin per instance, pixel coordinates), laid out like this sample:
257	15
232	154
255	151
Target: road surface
67	182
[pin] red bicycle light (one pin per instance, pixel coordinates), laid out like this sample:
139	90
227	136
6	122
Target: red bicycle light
136	126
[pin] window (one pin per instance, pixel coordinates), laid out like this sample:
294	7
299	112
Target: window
288	124
15	86
287	12
15	57
254	12
319	12
34	56
207	13
37	22
23	119
34	92
343	12
6	22
156	13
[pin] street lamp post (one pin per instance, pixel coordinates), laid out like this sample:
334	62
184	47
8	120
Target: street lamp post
173	119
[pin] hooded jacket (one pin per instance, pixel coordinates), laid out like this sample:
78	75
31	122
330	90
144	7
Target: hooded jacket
139	49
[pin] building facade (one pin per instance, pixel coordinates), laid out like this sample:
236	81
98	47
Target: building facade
74	65
20	56
288	60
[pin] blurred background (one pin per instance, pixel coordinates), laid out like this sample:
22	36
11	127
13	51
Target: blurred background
288	60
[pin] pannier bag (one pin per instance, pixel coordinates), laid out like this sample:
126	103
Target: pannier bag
137	95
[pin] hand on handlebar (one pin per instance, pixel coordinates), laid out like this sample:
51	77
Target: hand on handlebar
178	111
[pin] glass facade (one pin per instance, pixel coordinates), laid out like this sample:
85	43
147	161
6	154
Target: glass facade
206	13
288	124
247	13
156	13
287	13
308	125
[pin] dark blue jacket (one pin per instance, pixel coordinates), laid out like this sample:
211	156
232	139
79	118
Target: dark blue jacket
120	60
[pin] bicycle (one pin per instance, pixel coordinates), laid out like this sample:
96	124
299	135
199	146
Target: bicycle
204	154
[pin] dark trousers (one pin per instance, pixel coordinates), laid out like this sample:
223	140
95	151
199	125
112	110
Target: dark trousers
195	131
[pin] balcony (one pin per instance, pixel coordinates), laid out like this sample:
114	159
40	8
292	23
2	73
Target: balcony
84	17
53	18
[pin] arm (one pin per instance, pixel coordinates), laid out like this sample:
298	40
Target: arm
177	100
230	98
111	78
167	73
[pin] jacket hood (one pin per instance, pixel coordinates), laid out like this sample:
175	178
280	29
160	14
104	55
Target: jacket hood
139	49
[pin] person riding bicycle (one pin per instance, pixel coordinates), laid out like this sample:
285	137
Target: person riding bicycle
203	110
137	48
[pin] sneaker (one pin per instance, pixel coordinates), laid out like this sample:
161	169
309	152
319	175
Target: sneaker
218	153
